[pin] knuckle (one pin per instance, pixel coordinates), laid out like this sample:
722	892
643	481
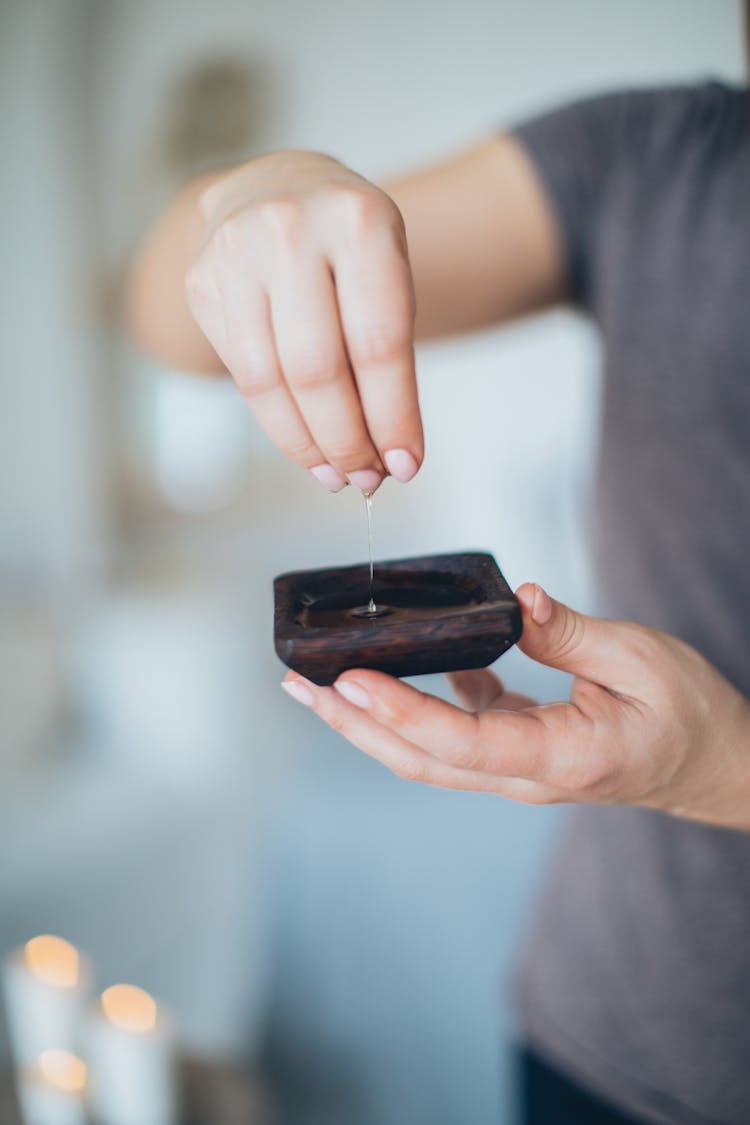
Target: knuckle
311	369
255	379
228	236
378	345
359	208
471	754
398	713
335	720
572	633
350	456
284	219
304	451
410	769
470	757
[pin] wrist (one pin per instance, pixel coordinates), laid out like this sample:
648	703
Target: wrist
737	755
721	795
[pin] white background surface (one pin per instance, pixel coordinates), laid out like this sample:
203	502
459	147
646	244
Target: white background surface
161	802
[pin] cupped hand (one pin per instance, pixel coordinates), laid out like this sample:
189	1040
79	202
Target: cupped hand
302	286
649	722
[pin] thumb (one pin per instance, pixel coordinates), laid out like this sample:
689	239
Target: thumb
556	635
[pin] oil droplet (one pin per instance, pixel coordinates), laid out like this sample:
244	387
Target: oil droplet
371	609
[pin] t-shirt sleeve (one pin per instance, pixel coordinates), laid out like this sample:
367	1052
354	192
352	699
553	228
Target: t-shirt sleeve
578	152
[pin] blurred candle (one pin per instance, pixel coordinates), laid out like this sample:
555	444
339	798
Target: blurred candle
131	1057
52	1091
47	984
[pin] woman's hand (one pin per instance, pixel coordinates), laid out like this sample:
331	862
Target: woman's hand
303	288
291	272
649	722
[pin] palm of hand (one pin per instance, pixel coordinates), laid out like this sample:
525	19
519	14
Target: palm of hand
649	722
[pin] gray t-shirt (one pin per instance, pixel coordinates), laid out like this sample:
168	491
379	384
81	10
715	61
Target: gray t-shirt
637	972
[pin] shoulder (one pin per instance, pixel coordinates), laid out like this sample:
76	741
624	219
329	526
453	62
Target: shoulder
643	116
608	160
679	114
616	135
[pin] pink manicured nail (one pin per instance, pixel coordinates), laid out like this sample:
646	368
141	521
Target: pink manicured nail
299	691
401	464
541	610
366	480
353	693
328	477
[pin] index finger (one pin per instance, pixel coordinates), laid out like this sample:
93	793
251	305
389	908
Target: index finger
508	743
306	326
376	305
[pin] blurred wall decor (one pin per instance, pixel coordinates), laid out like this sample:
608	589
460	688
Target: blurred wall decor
213	115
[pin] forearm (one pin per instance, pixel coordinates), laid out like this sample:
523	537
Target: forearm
720	794
483	244
158	313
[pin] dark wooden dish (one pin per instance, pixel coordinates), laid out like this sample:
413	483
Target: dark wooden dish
449	612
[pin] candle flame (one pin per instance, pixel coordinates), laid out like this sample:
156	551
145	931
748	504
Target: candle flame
63	1071
53	960
129	1007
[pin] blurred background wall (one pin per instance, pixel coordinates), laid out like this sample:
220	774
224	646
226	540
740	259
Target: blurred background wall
162	804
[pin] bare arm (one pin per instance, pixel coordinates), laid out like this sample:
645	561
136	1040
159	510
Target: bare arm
483	243
158	313
300	278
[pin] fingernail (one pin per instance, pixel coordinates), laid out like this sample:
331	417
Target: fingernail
353	693
328	477
299	691
541	610
401	464
366	480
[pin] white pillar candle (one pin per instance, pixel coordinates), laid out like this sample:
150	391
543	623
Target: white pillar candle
47	984
52	1091
131	1059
